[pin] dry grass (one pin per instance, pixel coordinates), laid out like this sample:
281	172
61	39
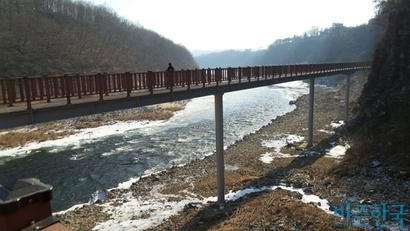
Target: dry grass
148	116
206	186
50	131
172	107
267	210
87	124
166	111
276	209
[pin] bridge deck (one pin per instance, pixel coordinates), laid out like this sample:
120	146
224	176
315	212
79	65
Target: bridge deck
58	108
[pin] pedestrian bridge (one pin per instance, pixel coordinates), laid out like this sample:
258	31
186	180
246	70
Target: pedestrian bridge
30	100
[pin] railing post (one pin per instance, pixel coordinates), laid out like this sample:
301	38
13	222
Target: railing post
188	78
139	77
33	86
203	77
10	94
197	73
161	79
67	89
98	86
256	72
27	90
55	86
265	72
47	85
21	90
289	70
122	83
150	80
128	81
229	70
63	83
3	90
275	70
106	83
218	73
77	76
182	75
41	87
177	78
239	74
209	75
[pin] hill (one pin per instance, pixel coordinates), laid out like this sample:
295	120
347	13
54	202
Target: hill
381	130
335	44
64	36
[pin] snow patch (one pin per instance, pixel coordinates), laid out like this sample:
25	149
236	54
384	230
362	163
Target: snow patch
277	145
337	151
337	124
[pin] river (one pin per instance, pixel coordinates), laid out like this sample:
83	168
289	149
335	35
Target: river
101	158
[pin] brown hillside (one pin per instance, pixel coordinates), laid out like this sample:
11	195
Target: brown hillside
64	36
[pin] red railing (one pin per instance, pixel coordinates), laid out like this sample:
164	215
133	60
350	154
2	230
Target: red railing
28	89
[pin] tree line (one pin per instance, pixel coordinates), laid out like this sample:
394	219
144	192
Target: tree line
39	37
335	44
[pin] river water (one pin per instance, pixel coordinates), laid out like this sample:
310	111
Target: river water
102	158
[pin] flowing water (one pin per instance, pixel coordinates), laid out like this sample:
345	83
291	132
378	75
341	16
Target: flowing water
79	165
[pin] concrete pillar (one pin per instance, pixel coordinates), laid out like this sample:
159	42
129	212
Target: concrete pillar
220	166
347	97
311	102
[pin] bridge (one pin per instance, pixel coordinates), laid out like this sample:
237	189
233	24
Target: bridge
30	100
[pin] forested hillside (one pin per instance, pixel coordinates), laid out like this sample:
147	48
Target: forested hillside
39	37
383	128
335	44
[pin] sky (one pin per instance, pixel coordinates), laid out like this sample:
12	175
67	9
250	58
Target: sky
238	24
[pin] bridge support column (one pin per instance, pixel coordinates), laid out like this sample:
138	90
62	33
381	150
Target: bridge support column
220	166
347	97
311	102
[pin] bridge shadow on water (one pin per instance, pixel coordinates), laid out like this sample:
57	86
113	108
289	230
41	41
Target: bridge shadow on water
215	216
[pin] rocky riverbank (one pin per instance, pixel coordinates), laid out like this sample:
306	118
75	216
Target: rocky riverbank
17	137
276	155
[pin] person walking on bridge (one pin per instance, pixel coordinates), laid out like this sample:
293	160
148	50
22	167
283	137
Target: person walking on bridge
169	75
170	67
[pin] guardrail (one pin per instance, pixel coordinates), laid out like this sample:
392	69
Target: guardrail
45	88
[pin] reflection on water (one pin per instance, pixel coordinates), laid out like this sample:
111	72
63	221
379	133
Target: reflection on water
77	171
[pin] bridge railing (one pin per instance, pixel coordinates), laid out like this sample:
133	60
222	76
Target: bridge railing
47	88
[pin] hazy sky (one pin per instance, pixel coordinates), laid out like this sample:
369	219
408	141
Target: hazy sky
238	24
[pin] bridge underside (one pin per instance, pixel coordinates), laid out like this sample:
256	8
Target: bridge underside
59	109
